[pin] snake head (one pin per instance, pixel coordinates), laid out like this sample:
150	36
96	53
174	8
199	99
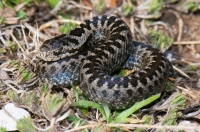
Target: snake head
55	49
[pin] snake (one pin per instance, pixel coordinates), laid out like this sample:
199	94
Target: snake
92	54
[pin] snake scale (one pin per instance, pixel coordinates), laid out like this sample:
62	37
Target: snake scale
91	53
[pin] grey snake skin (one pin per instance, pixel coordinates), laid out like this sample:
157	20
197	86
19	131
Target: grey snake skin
90	54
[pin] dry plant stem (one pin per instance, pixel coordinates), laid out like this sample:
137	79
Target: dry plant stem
81	15
3	90
4	75
4	65
31	82
143	27
13	37
194	104
166	115
79	6
10	20
24	35
141	34
148	16
186	42
58	7
164	127
192	114
33	30
85	14
132	25
8	82
166	25
37	45
142	5
69	126
181	72
129	3
192	48
166	104
180	21
140	8
2	39
193	94
77	124
19	32
180	28
9	31
20	6
97	115
57	21
189	63
64	116
52	123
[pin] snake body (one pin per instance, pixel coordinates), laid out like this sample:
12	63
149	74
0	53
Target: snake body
93	51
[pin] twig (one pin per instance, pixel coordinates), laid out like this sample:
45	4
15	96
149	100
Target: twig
192	114
57	7
52	123
181	72
13	37
8	82
191	128
166	25
194	94
132	25
23	32
180	21
56	21
33	30
148	16
187	42
80	6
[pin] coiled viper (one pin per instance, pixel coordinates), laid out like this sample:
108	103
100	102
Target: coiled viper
93	51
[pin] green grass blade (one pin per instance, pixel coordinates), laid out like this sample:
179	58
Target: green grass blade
86	104
122	117
107	112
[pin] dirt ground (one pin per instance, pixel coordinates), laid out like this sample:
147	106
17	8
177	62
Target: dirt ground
21	36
